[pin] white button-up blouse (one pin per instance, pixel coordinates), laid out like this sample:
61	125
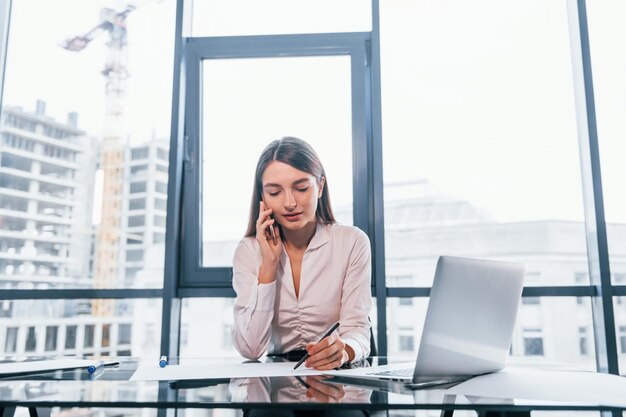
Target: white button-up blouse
335	281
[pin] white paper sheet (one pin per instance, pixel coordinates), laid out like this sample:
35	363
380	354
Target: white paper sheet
370	370
152	372
12	368
539	385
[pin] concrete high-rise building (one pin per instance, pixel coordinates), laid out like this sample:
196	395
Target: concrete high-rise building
47	171
142	245
144	207
46	174
421	224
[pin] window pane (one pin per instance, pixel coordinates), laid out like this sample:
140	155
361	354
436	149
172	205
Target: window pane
160	204
479	131
31	340
51	338
159	221
89	336
159	237
250	17
70	337
160	187
106	335
606	36
10	341
139	153
52	128
308	97
136	221
556	329
407	343
138	187
124	333
66	327
137	204
548	331
137	170
202	338
134	256
533	342
403	323
583	340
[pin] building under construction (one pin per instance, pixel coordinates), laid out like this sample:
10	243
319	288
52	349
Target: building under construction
108	258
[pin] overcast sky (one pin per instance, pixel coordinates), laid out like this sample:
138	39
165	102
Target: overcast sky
477	96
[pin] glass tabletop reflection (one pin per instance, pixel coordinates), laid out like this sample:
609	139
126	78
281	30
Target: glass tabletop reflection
110	387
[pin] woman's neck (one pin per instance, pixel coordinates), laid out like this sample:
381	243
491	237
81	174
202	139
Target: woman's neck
299	239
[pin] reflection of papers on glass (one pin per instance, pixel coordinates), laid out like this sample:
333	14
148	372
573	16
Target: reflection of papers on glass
28	367
560	386
152	372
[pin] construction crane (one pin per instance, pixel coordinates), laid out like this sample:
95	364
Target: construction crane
107	247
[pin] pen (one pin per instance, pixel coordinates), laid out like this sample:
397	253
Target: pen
328	333
163	361
93	368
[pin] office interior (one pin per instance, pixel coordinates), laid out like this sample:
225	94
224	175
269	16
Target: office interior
482	129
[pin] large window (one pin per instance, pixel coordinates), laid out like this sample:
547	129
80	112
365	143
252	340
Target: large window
480	155
606	35
253	92
479	131
69	138
248	103
67	144
474	127
469	145
64	327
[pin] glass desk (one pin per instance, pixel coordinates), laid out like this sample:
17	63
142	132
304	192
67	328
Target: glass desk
112	389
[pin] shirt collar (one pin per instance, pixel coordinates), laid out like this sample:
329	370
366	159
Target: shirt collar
321	236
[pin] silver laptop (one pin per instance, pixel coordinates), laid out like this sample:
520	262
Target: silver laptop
469	323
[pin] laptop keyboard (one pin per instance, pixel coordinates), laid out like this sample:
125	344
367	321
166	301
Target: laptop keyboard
398	372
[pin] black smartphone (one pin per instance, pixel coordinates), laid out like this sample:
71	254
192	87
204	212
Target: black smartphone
272	232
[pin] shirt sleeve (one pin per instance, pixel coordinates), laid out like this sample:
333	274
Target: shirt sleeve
254	306
356	298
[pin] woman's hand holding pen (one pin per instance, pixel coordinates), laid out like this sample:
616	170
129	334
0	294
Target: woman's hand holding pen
329	353
270	244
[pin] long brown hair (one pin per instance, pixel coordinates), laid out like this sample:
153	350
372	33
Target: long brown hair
300	155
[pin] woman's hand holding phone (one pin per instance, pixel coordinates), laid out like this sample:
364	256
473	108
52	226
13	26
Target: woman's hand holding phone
270	243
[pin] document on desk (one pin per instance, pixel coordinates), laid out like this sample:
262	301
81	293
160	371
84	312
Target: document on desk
152	372
28	367
543	385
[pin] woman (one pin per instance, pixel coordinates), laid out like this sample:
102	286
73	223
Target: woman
294	285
